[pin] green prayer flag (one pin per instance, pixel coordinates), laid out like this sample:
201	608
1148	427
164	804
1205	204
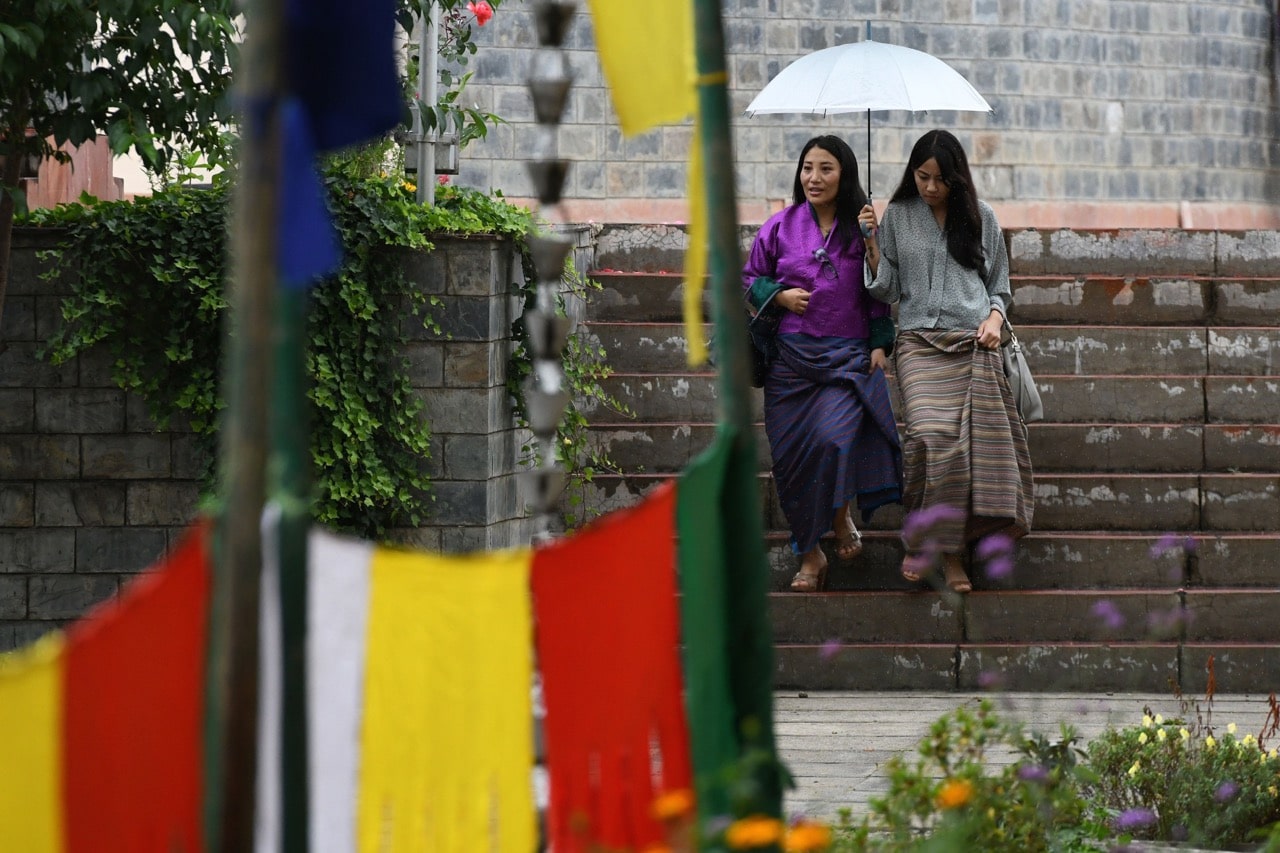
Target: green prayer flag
727	637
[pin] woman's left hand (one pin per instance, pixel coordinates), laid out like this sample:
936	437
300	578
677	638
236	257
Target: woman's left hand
878	360
989	330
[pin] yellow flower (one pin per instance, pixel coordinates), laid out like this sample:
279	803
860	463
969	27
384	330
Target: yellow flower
672	805
955	793
1146	721
1231	728
754	831
1209	742
1249	740
1273	791
1186	735
1142	738
1133	771
410	186
1159	719
1274	753
807	837
1161	735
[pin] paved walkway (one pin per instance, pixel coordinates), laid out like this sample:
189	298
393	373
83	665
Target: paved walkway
836	744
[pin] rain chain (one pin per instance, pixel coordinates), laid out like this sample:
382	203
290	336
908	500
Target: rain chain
546	392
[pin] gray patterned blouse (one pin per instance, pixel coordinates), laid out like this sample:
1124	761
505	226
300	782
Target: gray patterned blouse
932	289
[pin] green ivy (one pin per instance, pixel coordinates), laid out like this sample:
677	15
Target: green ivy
150	290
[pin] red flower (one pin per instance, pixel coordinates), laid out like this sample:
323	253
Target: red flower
443	179
482	10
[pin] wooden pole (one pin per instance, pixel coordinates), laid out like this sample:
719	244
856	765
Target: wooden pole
232	706
746	617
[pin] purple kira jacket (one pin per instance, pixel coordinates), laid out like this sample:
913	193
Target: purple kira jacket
791	251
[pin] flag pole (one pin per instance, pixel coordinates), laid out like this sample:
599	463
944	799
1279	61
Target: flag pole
232	677
748	633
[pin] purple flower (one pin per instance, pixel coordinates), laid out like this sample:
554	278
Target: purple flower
989	680
1033	773
1168	622
995	545
1000	567
1226	792
1134	819
922	522
1170	542
1110	615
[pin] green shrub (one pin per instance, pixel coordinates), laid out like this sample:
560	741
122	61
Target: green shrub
1185	780
150	289
955	798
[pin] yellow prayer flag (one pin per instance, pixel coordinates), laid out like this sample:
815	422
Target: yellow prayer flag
646	52
31	748
447	741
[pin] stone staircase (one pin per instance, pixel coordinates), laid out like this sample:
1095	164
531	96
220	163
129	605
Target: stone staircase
1158	358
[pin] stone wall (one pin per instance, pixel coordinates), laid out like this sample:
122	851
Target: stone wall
91	492
1107	113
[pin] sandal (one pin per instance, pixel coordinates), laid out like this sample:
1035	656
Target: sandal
915	567
850	546
954	574
810	581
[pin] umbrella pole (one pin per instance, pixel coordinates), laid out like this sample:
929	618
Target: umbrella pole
868	155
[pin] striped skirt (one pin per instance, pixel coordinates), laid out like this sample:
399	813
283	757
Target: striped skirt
964	446
831	433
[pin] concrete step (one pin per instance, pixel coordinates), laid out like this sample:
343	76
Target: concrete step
1149	502
1130	300
1156	399
1068	448
1065	560
1052	350
1145	300
1238	667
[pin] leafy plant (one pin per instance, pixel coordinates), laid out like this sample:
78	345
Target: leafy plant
70	70
150	290
585	370
456	47
955	798
1185	779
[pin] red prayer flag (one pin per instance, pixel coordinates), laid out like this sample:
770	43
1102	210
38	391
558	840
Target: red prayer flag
608	648
133	711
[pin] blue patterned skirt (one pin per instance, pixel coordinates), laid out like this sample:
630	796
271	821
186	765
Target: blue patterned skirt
831	432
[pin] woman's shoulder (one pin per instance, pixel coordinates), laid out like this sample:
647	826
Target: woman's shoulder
987	212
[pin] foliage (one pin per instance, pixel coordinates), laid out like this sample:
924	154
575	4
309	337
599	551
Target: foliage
956	798
70	70
1186	779
456	47
585	370
150	290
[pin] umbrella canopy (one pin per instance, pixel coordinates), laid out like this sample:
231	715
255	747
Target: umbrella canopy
867	75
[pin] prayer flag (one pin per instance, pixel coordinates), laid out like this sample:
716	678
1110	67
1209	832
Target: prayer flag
608	650
647	54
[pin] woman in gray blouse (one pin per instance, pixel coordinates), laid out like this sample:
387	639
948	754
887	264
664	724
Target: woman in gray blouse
942	258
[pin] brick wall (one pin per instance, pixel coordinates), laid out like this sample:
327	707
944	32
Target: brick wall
91	492
1163	110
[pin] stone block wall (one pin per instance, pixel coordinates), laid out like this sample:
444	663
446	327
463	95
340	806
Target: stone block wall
1107	113
91	492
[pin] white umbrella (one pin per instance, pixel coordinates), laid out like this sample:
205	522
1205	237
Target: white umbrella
867	75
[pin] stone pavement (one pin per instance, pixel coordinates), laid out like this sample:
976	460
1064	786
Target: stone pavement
836	744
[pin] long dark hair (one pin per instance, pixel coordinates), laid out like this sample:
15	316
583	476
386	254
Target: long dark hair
850	197
964	221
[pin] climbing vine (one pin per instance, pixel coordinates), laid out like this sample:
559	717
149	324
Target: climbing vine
149	287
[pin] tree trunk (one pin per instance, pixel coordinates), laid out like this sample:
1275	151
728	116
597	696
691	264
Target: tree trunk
8	184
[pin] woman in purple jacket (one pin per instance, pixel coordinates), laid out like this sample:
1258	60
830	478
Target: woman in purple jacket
826	402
